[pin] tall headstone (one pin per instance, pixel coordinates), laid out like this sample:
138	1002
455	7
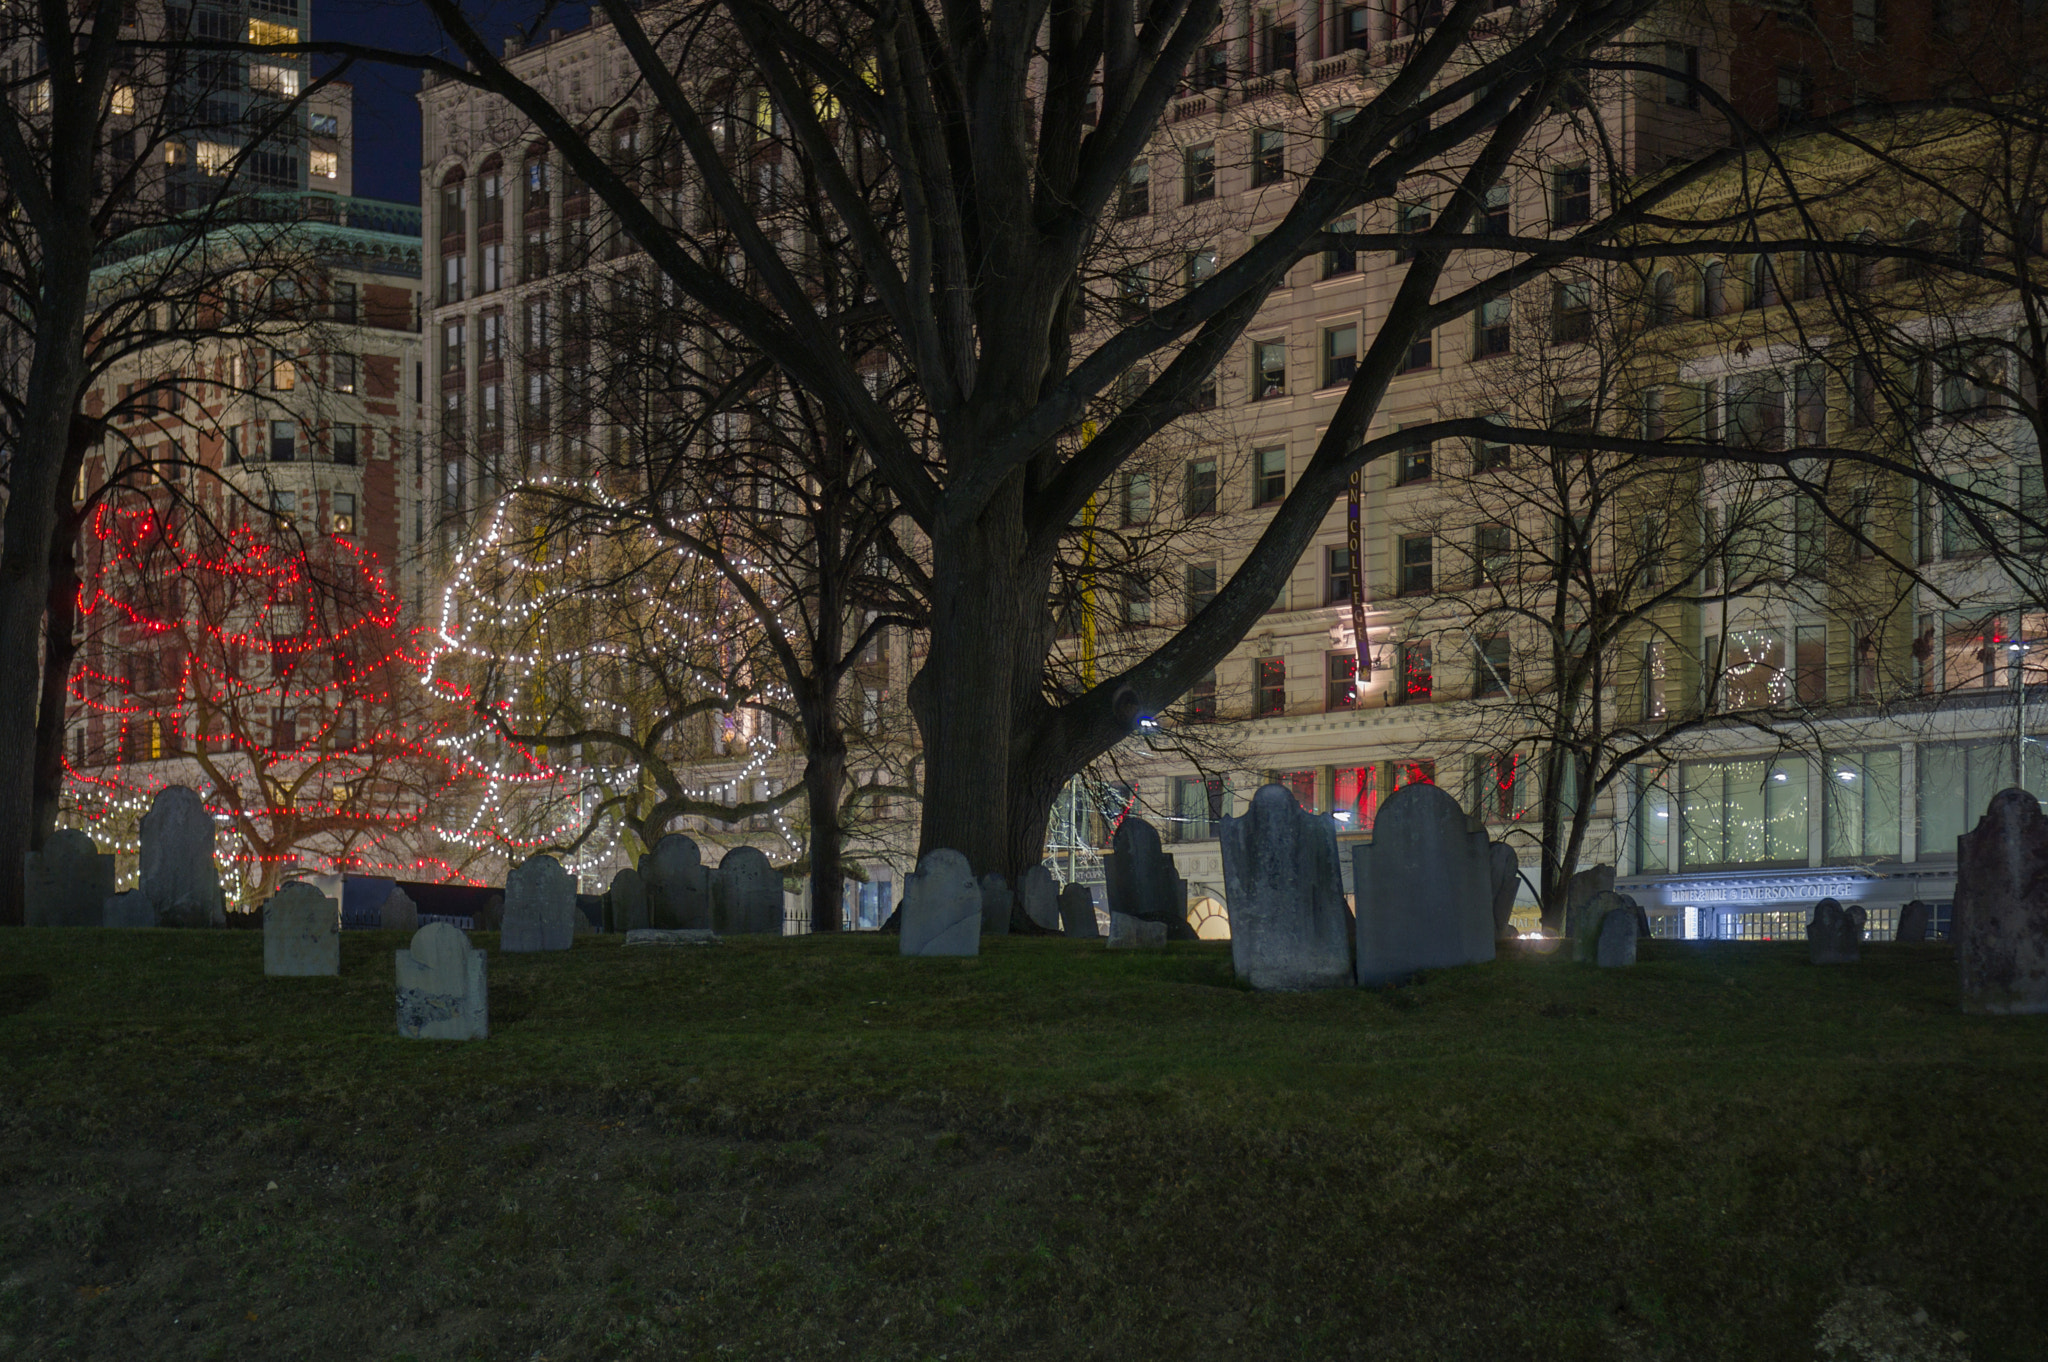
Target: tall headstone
1616	947
677	884
1835	934
1507	876
1912	928
1289	928
1579	892
1144	882
2000	920
1077	912
540	907
1129	933
996	902
941	912
301	932
490	914
443	992
132	909
628	902
178	872
749	894
1592	921
1041	895
399	913
1424	885
67	883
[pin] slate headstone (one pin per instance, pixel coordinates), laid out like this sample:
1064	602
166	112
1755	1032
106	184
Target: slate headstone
942	907
1592	919
1127	932
677	884
301	932
1077	912
443	991
1579	892
1041	895
178	870
2000	920
1834	935
1424	885
132	909
1616	948
399	912
749	894
996	902
490	914
1143	881
628	901
1289	928
67	883
540	907
1506	874
1912	928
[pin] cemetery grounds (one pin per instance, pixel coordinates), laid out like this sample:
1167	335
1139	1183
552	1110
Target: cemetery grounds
813	1148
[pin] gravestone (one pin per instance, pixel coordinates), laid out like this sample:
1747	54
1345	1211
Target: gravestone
678	886
1077	912
749	894
1579	892
996	902
443	992
301	932
1912	927
1835	935
1616	947
399	912
628	902
1041	895
1592	920
1289	928
1424	886
1507	877
540	907
1144	882
490	914
2000	920
67	883
1128	933
942	907
178	872
132	909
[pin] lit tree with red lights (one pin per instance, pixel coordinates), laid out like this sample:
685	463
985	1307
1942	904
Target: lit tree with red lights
271	671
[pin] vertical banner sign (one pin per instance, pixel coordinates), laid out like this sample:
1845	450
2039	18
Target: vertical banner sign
1354	545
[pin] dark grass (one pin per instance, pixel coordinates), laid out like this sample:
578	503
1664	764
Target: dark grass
813	1148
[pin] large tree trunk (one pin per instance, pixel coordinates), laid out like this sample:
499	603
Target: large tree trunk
824	780
59	651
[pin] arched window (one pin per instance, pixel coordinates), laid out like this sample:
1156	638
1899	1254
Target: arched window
1664	299
626	140
1713	289
1864	268
1763	282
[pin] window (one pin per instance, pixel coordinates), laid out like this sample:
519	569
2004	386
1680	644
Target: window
1795	96
452	334
1198	173
451	278
1269	687
1137	498
1862	394
490	338
1809	405
1408	773
344	302
344	512
323	125
1968	381
1340	354
1415	678
1137	601
1340	673
283	442
1682	76
1211	68
341	443
1134	199
1269	156
1269	369
1411	221
1490	550
1354	29
2033	505
493	276
281	82
1763	283
284	372
1420	354
1956	783
323	165
1492	219
1200	487
1810	664
1571	312
1656	673
490	195
1571	196
490	414
1278	48
1491	667
1416	555
1860	813
1201	706
1490	454
1337	575
1191	822
1663	299
1753	672
538	330
1270	475
1415	463
534	265
1866	20
537	182
1341	259
1200	265
1743	812
1201	584
1133	293
1496	786
1756	411
1652	821
284	734
283	506
1714	290
1355	790
1490	329
1863	664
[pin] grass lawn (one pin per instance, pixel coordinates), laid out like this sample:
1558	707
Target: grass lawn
811	1148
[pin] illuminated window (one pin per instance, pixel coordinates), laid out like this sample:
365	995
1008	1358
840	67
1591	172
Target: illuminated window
268	34
280	81
1269	691
326	165
1355	791
122	101
1744	812
213	157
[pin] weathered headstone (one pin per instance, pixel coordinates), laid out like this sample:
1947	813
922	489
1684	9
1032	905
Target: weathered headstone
682	936
132	909
301	932
1424	886
1507	877
677	884
2000	920
490	915
178	871
1127	932
67	883
1144	882
942	907
399	912
1616	948
1592	920
540	907
1041	895
1077	912
1579	892
749	894
443	991
1912	928
1289	928
996	902
1835	934
628	902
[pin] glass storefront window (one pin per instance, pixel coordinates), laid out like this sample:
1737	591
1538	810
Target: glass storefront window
1862	811
1956	782
1743	812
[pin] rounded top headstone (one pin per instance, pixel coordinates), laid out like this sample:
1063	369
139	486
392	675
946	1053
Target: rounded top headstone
437	943
1274	798
2013	801
1135	836
69	842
